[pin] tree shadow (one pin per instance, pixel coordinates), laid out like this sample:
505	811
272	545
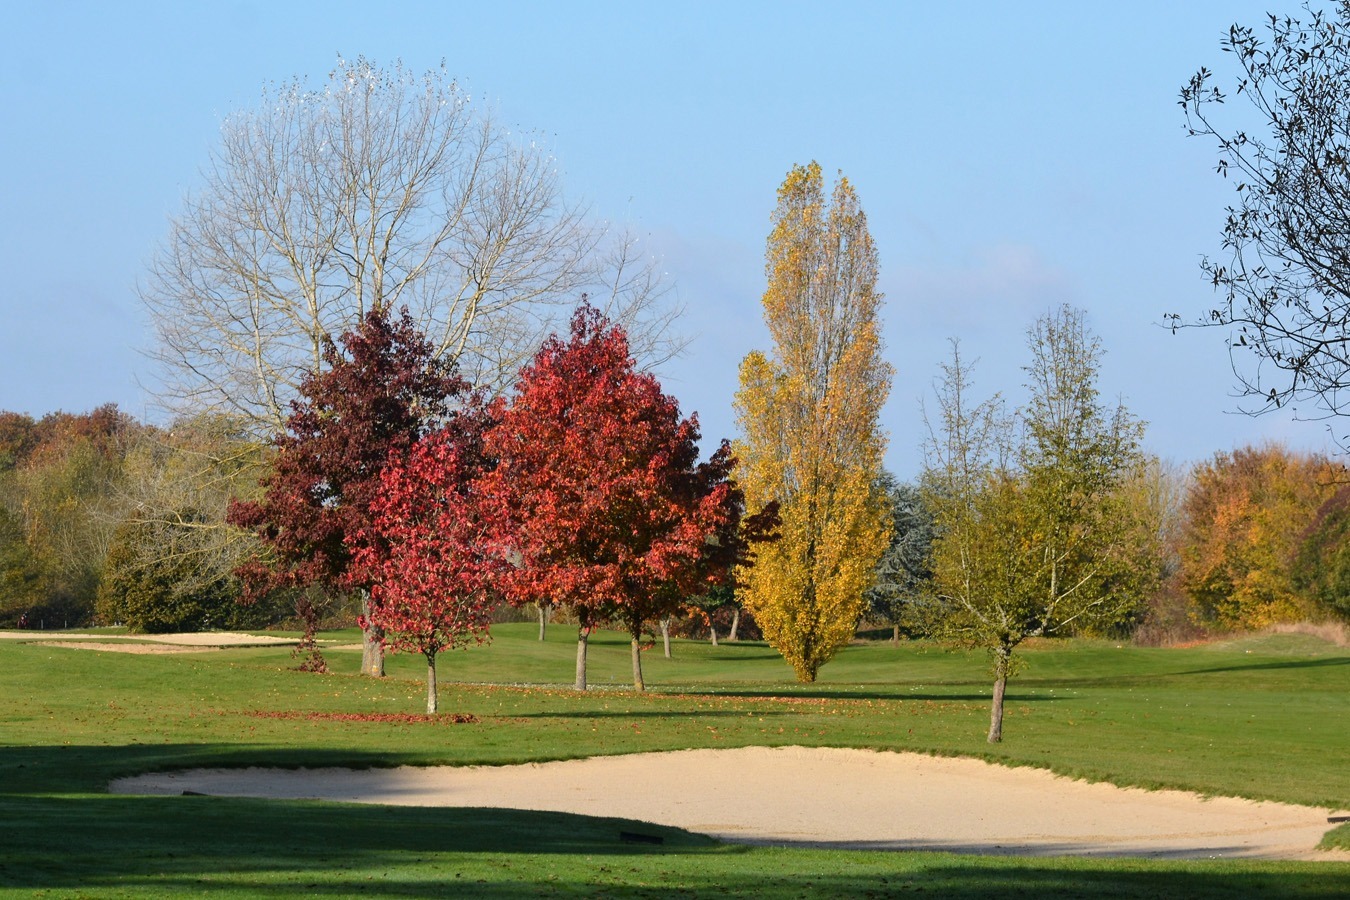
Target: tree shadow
204	845
1273	665
788	697
643	713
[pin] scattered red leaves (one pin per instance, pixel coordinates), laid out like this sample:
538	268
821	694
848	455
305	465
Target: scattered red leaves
387	718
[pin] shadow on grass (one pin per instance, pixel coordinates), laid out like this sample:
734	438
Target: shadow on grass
175	845
1167	677
1271	665
85	769
644	714
899	695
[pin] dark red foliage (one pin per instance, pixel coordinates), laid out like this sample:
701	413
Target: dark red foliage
371	403
735	541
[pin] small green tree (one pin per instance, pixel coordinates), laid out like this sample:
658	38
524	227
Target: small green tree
1034	529
149	582
904	573
22	585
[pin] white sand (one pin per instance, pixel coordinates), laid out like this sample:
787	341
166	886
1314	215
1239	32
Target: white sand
146	643
819	797
193	639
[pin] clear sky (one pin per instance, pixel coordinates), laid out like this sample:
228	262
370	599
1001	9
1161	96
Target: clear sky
1010	156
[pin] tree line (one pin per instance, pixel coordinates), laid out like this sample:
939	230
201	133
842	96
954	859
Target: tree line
107	519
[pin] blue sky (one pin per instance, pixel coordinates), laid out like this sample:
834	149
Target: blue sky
1009	156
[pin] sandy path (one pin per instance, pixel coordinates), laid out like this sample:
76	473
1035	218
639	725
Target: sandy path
821	797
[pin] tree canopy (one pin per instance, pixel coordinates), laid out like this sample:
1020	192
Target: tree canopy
597	477
371	402
1246	514
1035	532
433	557
381	187
808	414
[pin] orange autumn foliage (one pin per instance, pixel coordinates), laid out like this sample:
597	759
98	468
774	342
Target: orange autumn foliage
1244	514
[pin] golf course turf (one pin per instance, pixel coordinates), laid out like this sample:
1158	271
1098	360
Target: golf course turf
1265	717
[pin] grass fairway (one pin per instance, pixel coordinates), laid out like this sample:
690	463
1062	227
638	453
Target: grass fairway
1265	717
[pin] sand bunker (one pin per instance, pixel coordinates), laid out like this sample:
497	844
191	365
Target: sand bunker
819	797
146	643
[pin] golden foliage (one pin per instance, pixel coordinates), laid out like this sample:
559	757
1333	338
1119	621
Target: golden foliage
809	420
1246	512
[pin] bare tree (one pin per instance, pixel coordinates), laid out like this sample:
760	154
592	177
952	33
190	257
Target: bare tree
382	188
179	481
1283	281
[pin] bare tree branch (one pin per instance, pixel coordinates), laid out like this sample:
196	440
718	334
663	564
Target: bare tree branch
381	188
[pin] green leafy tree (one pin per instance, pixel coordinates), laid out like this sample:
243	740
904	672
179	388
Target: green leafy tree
150	583
1034	528
181	479
65	487
22	582
904	573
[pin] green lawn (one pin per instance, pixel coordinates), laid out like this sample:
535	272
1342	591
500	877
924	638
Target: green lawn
1266	717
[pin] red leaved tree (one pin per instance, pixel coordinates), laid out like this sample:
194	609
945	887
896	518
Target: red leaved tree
432	559
367	405
604	506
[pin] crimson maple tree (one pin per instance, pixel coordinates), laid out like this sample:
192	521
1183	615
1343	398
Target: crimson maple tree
603	505
369	403
432	559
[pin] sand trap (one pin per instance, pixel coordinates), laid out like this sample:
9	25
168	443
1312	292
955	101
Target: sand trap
819	797
146	643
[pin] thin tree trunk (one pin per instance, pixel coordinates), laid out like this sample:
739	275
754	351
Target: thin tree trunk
665	634
583	635
431	684
895	635
1001	660
712	630
544	610
372	651
637	666
735	624
309	645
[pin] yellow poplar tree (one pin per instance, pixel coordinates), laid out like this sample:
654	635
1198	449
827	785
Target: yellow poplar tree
808	416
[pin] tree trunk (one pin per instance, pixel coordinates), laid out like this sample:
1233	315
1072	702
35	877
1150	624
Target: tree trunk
583	635
431	684
735	624
544	610
637	666
895	635
712	630
309	644
1001	661
665	634
372	651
